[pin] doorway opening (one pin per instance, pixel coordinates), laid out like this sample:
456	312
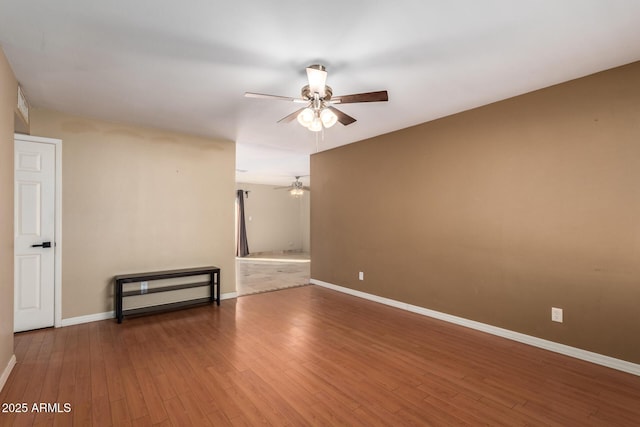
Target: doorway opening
277	230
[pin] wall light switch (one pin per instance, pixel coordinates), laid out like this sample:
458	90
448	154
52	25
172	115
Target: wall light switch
556	314
361	275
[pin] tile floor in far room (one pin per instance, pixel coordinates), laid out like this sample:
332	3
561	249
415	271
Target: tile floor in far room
268	272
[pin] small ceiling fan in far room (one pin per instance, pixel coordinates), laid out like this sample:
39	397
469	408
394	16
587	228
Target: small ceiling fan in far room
320	112
296	189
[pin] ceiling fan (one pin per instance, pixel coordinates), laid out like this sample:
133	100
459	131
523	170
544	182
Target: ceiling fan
297	188
320	111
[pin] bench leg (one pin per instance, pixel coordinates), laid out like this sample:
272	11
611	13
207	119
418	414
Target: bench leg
218	290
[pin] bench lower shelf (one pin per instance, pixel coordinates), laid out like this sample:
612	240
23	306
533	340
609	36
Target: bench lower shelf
165	307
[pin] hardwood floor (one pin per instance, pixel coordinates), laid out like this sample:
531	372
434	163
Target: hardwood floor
305	356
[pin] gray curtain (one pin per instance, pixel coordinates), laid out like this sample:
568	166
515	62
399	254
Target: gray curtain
243	247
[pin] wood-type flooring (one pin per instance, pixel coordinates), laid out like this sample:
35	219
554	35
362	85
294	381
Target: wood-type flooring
304	356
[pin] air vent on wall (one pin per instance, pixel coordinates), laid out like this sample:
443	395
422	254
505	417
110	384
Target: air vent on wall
23	105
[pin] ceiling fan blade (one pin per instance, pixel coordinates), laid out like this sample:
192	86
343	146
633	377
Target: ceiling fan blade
378	96
306	188
288	187
263	96
343	118
291	117
317	76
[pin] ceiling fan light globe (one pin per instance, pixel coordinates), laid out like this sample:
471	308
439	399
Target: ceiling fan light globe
328	118
317	76
306	116
316	125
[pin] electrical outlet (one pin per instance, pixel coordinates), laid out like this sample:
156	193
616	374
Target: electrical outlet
361	275
144	286
556	314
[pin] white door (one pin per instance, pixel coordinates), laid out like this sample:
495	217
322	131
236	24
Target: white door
34	229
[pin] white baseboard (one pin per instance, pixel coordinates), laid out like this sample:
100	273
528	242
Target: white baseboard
610	362
7	371
87	319
111	314
228	295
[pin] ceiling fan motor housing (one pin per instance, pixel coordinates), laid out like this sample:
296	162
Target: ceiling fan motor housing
306	93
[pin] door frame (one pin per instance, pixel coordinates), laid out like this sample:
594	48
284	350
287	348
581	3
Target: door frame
57	248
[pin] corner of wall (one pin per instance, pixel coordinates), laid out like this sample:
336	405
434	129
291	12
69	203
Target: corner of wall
7	371
8	97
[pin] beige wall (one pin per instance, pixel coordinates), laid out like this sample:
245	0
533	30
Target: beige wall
136	199
8	100
277	222
499	213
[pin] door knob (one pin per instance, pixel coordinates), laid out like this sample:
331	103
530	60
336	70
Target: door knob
43	245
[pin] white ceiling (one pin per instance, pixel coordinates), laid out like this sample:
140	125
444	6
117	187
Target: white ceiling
185	65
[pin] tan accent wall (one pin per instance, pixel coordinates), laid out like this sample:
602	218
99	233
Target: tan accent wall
305	221
8	100
498	214
274	219
136	199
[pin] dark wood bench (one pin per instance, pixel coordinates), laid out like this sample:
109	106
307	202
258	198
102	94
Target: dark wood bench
120	294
